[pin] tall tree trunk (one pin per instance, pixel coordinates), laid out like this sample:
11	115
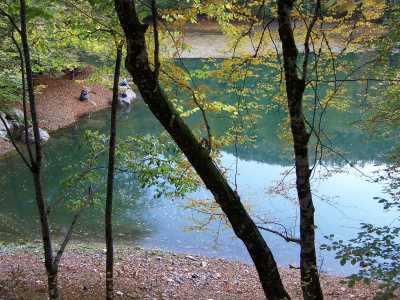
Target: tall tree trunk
295	87
36	164
138	65
110	180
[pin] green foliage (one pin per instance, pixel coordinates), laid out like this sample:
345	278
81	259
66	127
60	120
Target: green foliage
157	163
144	162
376	249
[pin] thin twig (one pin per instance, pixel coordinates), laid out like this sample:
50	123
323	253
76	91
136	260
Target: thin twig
156	40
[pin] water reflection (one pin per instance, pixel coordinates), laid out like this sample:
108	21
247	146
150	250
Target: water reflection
162	223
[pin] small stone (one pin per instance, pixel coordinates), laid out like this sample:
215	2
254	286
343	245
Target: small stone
190	257
203	264
119	293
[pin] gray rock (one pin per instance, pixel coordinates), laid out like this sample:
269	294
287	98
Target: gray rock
43	134
126	97
202	278
124	82
3	127
16	114
16	130
3	134
190	257
84	96
4	124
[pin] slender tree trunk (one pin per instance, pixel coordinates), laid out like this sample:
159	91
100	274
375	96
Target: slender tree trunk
138	65
53	282
110	180
295	88
36	164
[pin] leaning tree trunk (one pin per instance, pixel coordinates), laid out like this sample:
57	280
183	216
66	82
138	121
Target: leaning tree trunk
36	164
295	87
110	180
138	65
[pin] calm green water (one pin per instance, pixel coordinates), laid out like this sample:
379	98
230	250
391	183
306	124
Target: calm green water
343	200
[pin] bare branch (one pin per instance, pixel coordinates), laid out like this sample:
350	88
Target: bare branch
355	80
68	236
11	19
285	236
66	240
21	58
156	39
308	36
107	27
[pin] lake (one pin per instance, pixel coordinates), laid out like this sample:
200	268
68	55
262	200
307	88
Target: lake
343	199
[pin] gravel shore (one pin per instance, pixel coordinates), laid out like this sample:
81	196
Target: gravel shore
150	275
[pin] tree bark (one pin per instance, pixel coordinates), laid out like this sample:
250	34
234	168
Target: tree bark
138	65
52	279
36	164
295	87
110	180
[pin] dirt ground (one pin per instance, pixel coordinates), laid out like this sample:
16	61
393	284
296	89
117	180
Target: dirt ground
58	104
150	275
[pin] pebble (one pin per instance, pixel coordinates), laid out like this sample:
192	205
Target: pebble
190	257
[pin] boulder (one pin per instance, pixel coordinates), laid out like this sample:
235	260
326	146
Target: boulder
3	131
4	123
3	127
126	97
17	129
15	114
124	82
84	95
43	134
